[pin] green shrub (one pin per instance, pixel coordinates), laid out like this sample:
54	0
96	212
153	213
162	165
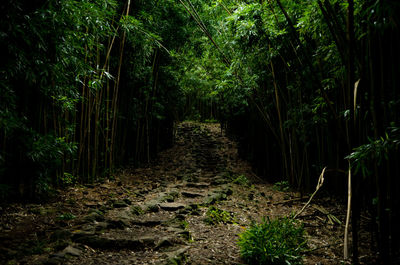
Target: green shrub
211	121
282	186
241	180
68	179
66	216
216	216
280	241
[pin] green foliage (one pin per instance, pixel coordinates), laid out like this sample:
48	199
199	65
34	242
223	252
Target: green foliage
137	210
38	247
217	216
66	216
282	186
278	241
377	150
210	121
62	80
241	180
68	179
49	150
237	179
43	188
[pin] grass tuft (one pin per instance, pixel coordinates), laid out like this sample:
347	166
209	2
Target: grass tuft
279	241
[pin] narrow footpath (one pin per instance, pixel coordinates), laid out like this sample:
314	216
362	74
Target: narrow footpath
187	207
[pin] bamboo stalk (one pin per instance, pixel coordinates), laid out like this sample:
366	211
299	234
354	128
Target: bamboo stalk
346	229
278	109
115	94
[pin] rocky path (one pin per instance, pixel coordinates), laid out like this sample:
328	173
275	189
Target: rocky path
186	208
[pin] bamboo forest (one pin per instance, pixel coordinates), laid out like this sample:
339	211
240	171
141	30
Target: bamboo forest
200	132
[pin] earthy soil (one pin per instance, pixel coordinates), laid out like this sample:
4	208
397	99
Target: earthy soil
158	214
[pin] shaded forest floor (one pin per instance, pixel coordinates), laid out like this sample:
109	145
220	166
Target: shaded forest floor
158	214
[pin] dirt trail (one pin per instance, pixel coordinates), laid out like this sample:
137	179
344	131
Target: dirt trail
158	214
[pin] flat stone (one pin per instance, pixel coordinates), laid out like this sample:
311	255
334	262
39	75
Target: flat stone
119	218
91	204
219	181
171	206
192	209
69	250
147	223
118	223
212	199
72	251
152	206
80	234
116	243
178	256
101	225
175	230
164	242
189	194
120	204
199	185
53	260
176	222
94	216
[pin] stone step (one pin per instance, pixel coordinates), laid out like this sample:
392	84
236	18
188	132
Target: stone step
189	194
96	241
171	206
198	185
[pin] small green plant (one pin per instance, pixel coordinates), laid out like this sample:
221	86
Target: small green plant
210	121
241	180
136	210
66	216
278	241
43	187
68	179
170	197
282	186
216	216
185	225
38	247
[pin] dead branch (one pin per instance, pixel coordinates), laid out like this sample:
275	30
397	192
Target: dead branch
319	185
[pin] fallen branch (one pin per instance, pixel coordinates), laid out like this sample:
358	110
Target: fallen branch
319	185
331	218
